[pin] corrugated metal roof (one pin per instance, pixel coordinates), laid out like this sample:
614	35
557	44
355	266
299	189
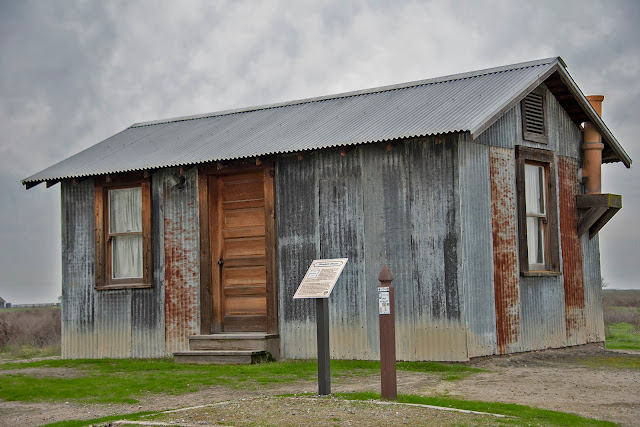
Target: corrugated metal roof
468	102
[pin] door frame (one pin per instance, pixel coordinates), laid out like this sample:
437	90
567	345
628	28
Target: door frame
210	271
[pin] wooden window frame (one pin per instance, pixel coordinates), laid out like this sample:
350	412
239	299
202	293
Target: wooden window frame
103	271
533	136
547	159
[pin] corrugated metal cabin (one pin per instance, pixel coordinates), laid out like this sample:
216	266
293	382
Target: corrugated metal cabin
480	191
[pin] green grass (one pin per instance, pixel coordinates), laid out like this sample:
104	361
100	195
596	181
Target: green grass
623	336
101	421
519	414
449	372
125	380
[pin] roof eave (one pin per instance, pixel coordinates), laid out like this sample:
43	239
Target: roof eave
594	118
559	66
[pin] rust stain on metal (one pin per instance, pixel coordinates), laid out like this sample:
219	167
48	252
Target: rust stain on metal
571	248
505	251
181	275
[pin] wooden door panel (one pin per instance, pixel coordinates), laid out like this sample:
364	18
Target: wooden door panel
239	188
247	306
244	218
241	233
244	276
243	248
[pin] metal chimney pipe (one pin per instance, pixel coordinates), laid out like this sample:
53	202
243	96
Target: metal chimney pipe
592	148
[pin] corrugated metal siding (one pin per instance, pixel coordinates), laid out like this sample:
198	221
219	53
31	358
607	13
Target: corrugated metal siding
437	106
342	236
298	243
181	260
78	339
563	131
147	305
364	203
113	323
592	288
573	273
435	243
387	240
131	322
505	249
477	248
503	133
542	313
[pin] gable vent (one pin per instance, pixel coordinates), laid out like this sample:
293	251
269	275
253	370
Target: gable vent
533	118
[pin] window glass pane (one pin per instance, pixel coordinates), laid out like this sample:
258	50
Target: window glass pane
125	210
534	189
127	256
535	240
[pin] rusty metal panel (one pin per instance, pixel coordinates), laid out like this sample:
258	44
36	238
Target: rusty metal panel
181	259
505	249
574	292
77	204
113	323
477	248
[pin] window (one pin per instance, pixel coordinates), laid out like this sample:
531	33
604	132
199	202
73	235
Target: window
537	211
123	233
534	126
535	206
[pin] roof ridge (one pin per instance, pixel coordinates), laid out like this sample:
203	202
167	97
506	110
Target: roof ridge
380	89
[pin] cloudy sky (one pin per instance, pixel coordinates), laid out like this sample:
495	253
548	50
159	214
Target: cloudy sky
73	73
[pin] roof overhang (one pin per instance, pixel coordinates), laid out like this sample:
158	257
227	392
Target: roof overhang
575	103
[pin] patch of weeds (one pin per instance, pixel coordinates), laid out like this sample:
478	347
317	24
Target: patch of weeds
28	351
612	362
519	414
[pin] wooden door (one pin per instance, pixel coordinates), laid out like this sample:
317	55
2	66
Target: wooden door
239	251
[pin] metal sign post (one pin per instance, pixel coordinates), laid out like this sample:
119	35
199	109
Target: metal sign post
386	311
322	325
318	283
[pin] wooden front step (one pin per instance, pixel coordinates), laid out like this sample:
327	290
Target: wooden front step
221	357
232	348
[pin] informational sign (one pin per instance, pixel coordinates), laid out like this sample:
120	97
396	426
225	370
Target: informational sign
384	301
320	278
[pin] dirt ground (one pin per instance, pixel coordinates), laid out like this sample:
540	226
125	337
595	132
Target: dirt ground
569	380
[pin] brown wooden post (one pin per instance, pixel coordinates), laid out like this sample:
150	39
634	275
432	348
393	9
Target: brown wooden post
386	310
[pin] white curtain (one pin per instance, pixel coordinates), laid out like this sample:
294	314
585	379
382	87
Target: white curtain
125	216
534	189
127	256
534	240
535	206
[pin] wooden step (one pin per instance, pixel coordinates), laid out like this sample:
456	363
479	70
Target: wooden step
221	357
269	343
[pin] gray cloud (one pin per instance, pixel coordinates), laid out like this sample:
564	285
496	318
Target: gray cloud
73	73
